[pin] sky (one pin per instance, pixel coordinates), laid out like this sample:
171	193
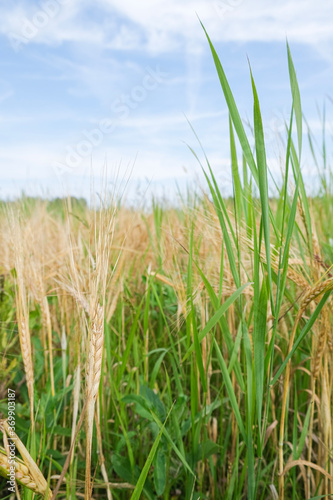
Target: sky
121	83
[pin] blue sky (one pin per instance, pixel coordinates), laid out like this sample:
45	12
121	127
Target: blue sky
86	82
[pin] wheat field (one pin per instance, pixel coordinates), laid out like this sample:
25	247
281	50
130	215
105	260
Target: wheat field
174	352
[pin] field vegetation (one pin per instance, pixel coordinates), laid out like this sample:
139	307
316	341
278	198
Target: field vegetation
180	352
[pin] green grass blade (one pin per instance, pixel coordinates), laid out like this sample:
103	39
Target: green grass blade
230	390
259	338
236	119
296	100
136	495
263	183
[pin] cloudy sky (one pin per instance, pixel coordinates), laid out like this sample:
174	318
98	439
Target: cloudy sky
85	82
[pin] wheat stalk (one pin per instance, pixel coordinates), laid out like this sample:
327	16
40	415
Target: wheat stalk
46	323
312	294
96	290
22	310
94	368
25	343
101	454
76	394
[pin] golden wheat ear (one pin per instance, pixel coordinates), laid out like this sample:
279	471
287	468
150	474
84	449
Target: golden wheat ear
27	472
94	370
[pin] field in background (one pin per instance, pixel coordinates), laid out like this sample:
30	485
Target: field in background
177	353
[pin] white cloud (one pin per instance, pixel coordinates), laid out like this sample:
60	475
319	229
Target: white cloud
168	22
168	25
28	23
